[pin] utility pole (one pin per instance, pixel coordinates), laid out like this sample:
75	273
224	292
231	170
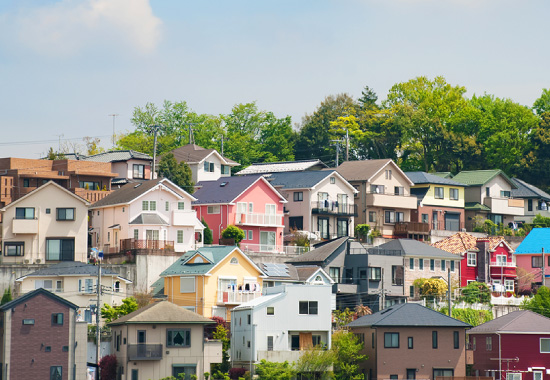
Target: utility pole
337	143
154	129
114	115
98	310
543	282
449	291
191	137
382	291
59	146
347	145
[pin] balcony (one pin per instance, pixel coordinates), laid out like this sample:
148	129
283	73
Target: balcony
24	226
506	206
507	264
91	196
237	297
145	351
391	201
410	228
333	208
129	244
184	218
258	219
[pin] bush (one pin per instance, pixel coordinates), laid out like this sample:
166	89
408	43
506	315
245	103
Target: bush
107	367
476	292
208	238
471	316
233	232
235	373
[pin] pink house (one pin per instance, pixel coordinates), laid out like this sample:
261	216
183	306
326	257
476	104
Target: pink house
533	255
248	202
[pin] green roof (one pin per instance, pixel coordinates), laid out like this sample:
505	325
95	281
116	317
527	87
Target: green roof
481	177
447	175
475	206
182	267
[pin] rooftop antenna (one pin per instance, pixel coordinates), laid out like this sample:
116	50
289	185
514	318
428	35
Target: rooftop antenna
114	116
59	146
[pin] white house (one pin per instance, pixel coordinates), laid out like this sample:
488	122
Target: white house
49	224
279	325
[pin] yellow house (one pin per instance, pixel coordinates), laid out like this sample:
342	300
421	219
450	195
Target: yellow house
213	280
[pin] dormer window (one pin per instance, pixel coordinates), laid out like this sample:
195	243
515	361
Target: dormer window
208	166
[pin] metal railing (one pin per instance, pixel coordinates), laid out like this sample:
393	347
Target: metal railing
333	208
144	351
258	219
128	244
509	264
237	297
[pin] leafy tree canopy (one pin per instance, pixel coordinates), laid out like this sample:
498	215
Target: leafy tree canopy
540	303
274	371
346	347
233	232
110	313
179	173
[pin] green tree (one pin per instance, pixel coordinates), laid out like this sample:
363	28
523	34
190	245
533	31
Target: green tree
347	348
233	232
179	173
540	303
222	334
110	313
470	316
431	287
52	155
476	292
314	363
542	104
208	237
6	297
274	371
92	145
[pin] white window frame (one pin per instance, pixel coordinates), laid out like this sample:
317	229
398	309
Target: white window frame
179	236
214	209
437	191
144	205
454	194
501	260
540	345
471	259
188	281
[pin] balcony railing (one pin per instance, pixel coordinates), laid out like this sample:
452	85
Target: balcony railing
237	297
129	244
24	226
508	264
144	351
258	219
405	228
333	208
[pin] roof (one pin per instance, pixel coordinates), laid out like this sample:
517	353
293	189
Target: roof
69	268
227	189
461	242
444	174
526	190
476	206
520	321
291	273
410	247
424	178
408	315
534	242
303	180
366	169
214	255
149	218
194	154
258	301
320	253
117	155
162	312
285	166
481	177
34	293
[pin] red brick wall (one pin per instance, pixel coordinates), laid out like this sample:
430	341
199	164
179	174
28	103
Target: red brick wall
29	342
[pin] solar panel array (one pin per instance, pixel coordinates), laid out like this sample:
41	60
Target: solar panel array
276	270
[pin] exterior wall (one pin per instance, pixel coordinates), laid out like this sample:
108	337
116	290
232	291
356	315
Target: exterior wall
125	169
422	357
502	272
198	355
525	261
299	208
199	174
467	272
413	274
429	198
45	225
525	347
438	224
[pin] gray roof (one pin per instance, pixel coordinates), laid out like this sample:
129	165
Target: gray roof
285	166
320	254
520	321
410	247
292	273
526	190
162	312
70	268
298	180
149	218
408	315
194	154
424	178
224	190
118	155
34	293
127	193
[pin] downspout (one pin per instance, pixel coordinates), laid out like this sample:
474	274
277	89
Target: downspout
73	359
499	355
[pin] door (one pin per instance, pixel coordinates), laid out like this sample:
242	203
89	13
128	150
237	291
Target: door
295	342
323	200
411	373
322	225
452	222
270	215
142	347
267	241
435	221
152	237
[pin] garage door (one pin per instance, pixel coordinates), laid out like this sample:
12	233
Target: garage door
452	222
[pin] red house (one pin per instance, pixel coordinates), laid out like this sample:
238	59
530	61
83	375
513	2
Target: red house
490	260
248	202
515	346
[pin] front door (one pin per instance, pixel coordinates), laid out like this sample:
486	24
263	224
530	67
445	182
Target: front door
322	225
435	221
411	373
267	241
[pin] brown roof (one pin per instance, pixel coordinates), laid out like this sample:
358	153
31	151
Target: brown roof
162	312
127	193
192	153
462	242
521	321
361	170
306	271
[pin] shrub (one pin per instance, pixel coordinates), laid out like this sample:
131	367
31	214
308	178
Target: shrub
235	373
208	238
107	367
233	232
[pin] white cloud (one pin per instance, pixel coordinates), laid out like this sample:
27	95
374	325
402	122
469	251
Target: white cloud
68	26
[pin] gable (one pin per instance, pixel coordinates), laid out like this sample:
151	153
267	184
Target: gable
261	191
236	264
45	194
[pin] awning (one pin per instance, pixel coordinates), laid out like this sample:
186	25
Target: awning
115	227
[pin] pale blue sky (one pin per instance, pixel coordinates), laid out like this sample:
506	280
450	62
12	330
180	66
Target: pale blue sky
65	65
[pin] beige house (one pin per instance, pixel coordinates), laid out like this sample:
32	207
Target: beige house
161	340
77	283
384	193
49	224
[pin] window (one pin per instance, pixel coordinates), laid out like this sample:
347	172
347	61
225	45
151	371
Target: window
411	291
48	211
501	260
248	318
372	216
28	321
332	180
397	275
438	193
24	213
474	343
181	206
213	209
208	166
334	274
362	273
440	372
421	264
399	190
87	287
377	189
90	185
65	348
26	182
434	339
391	340
529	205
180	237
153	205
187	284
545	345
139	171
452	265
443	266
537	375
166	206
270	310
14	248
509	285
136	234
308	307
513	376
60	249
453	194
432	265
178	338
456	341
411	263
472	261
410	343
187	369
489	343
399	217
145	205
270	343
487	192
342	227
135	374
388	174
45	284
56	372
536	262
504	194
296	222
298	196
65	214
425	218
57	319
226	169
389	216
250	234
375	274
142	336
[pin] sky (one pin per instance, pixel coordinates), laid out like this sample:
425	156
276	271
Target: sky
66	65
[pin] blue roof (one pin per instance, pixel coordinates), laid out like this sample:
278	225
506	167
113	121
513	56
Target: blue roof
537	239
